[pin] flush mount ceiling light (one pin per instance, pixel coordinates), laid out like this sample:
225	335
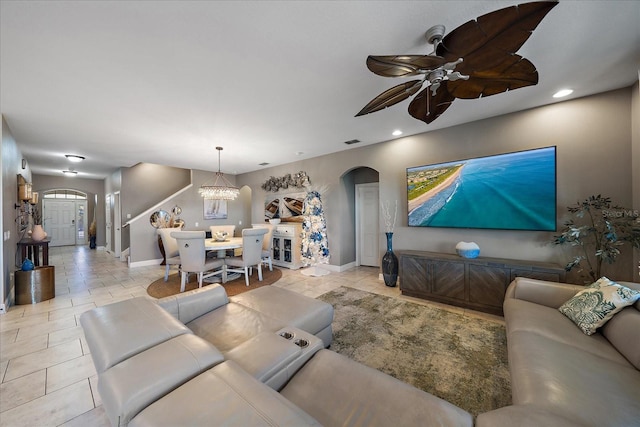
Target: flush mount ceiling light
74	158
70	172
562	93
396	132
223	191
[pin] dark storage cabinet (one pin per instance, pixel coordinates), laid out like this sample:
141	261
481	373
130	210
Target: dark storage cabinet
478	283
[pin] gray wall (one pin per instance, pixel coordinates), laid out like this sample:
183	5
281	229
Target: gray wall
635	158
593	136
144	247
11	165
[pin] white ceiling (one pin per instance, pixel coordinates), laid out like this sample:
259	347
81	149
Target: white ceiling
166	81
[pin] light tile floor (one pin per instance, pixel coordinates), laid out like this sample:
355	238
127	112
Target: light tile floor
47	374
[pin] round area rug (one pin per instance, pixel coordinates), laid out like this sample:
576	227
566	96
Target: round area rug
160	288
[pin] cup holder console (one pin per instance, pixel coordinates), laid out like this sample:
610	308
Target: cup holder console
286	335
302	343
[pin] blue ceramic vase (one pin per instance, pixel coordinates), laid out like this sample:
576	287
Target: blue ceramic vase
390	264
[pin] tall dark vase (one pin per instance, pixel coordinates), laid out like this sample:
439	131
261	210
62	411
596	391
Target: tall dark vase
390	264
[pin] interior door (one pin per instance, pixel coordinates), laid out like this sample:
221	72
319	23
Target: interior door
117	221
59	221
367	224
108	222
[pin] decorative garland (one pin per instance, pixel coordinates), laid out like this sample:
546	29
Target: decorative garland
298	180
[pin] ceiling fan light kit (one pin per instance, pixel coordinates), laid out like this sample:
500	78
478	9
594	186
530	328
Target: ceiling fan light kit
475	60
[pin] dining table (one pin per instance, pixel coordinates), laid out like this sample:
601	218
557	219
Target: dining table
221	246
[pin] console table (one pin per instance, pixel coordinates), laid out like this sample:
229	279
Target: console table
477	283
31	248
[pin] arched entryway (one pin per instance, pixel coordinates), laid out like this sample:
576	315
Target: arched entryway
361	187
64	217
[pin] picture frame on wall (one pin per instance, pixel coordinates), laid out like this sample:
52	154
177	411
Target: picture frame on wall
215	209
288	207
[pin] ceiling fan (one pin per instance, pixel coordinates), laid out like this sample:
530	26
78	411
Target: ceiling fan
476	59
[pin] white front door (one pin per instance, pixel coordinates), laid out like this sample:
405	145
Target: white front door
367	224
59	221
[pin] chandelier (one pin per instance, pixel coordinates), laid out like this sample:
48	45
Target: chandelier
223	191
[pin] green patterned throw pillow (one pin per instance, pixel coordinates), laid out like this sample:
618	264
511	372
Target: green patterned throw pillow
592	307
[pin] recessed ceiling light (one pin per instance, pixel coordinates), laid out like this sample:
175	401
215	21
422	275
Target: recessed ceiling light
396	132
74	158
70	173
562	93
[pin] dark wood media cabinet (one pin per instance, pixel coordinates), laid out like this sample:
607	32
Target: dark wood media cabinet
476	283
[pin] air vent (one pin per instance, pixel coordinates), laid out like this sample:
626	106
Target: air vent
263	164
353	141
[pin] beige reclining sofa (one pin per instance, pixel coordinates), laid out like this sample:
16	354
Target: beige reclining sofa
559	375
257	359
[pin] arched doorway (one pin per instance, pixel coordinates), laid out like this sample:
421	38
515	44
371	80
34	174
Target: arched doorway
64	217
361	187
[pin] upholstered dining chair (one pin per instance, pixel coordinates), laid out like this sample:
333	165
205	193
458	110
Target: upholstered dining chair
251	254
267	245
229	229
192	254
171	253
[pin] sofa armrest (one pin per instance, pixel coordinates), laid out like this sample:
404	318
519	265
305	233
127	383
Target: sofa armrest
190	305
522	416
550	294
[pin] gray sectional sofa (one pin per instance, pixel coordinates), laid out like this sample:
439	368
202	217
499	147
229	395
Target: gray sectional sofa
257	359
559	375
260	358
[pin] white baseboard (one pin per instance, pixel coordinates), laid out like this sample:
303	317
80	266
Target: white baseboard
145	263
337	268
124	255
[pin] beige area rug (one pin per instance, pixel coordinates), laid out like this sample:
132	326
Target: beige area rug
160	288
458	358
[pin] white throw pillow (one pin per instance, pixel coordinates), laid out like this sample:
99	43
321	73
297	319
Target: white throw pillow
592	307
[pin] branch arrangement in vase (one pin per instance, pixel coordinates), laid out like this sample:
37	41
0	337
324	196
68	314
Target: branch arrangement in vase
389	220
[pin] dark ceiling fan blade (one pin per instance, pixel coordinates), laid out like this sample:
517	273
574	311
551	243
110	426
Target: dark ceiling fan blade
391	97
504	31
403	65
512	73
428	107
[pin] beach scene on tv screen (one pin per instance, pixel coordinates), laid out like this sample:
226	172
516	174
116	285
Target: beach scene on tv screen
512	191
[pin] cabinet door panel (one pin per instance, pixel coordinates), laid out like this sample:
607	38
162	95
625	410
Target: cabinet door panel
414	274
487	285
448	279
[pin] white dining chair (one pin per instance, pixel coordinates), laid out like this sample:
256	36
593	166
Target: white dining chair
267	245
251	254
192	255
171	253
229	229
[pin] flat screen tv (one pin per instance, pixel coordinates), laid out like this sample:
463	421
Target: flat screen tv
511	191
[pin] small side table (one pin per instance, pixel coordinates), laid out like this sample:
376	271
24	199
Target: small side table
31	248
35	285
